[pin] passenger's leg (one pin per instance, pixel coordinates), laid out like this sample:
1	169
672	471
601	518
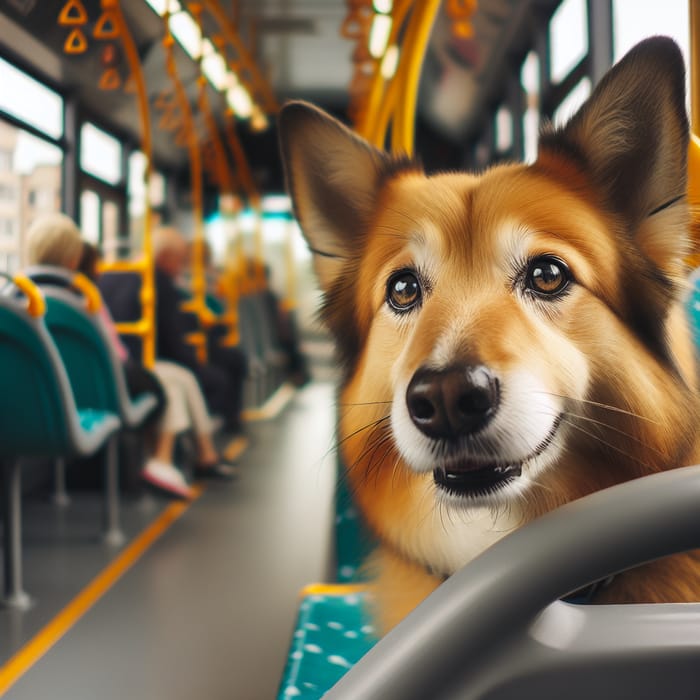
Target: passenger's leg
234	363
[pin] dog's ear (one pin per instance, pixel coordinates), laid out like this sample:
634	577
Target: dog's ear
631	138
332	177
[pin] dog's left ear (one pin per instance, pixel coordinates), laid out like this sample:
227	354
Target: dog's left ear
631	138
332	177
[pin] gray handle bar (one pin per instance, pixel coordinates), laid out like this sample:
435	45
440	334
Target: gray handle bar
492	630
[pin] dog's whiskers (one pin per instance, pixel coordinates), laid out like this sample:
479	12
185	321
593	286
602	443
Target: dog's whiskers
619	431
603	406
613	447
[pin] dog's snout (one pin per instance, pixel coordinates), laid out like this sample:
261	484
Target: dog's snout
452	402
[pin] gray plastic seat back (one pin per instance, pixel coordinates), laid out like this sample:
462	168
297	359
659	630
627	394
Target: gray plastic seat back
497	630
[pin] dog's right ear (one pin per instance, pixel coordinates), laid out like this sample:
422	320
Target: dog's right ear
332	177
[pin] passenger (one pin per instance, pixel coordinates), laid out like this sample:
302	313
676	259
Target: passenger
221	382
185	406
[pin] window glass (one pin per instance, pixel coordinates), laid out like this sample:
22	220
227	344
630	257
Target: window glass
30	185
504	129
100	154
634	20
572	102
110	226
568	37
531	133
90	216
31	101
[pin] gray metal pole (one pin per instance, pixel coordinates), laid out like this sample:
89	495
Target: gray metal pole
14	596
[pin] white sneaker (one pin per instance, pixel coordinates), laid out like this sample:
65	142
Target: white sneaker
167	478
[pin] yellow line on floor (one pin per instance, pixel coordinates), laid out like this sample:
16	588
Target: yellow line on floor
235	448
33	650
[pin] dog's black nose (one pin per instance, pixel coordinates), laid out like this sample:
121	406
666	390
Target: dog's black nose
452	402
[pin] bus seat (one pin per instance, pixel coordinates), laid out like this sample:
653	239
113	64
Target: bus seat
95	371
333	631
38	418
353	541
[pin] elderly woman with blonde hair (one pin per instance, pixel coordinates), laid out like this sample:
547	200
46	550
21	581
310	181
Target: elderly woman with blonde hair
54	239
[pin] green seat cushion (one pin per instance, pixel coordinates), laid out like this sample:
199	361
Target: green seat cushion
333	631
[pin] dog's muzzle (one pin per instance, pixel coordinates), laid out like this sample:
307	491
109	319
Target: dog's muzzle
449	406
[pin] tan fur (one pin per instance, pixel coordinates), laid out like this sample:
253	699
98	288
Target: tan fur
613	354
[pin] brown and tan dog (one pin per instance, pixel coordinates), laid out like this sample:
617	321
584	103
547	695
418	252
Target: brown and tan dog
512	340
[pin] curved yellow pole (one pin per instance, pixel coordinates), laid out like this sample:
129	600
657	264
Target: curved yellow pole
217	11
146	327
413	53
196	170
377	130
374	102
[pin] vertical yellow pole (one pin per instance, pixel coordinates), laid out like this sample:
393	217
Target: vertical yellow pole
694	149
378	89
694	146
413	53
147	284
694	21
258	280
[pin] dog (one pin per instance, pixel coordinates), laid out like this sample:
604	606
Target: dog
512	340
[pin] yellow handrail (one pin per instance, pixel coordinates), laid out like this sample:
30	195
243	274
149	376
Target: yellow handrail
413	53
231	35
694	146
36	304
366	125
147	294
694	151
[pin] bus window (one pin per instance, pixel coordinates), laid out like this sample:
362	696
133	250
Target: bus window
30	185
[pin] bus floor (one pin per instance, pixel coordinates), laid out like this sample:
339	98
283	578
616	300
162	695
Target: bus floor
207	611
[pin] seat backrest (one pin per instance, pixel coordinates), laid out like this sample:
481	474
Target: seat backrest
84	350
94	369
38	415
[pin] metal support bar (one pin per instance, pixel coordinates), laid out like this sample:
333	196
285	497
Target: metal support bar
516	107
600	37
60	493
13	594
70	194
113	534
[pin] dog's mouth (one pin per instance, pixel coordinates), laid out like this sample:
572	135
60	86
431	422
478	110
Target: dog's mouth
472	478
468	479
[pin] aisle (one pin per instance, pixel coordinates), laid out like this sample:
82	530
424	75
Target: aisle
207	612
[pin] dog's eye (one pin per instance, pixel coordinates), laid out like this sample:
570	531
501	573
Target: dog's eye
403	291
547	276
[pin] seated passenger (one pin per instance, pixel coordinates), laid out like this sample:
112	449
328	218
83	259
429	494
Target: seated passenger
185	406
221	380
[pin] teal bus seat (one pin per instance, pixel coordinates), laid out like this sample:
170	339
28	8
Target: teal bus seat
38	418
333	632
353	540
94	369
